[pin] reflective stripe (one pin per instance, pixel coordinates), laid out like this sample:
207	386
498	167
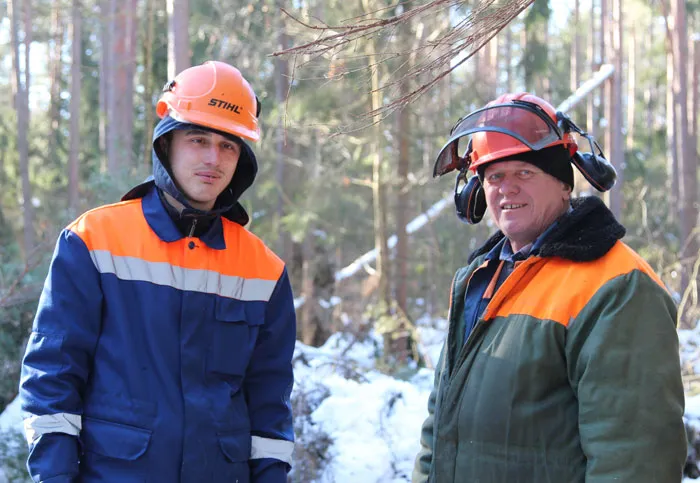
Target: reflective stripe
37	426
278	449
161	273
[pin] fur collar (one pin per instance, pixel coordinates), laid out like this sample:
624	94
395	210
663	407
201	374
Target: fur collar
583	235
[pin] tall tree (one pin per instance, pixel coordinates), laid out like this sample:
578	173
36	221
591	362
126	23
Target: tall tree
613	104
535	63
55	66
75	96
406	37
20	90
282	146
148	81
178	37
685	150
378	182
106	82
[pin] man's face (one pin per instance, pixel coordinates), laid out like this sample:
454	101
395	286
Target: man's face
202	164
523	200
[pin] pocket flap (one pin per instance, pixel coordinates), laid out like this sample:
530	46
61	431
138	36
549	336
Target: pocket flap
113	439
235	446
232	310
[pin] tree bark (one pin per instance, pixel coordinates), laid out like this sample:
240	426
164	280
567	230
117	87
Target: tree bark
75	96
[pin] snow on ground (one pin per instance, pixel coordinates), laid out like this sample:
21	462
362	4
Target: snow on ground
373	419
10	423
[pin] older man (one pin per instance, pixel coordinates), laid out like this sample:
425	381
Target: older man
561	362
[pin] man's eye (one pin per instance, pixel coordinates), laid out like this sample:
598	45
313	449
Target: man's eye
197	140
525	173
230	147
494	178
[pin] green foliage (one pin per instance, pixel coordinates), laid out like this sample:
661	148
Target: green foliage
13	457
535	62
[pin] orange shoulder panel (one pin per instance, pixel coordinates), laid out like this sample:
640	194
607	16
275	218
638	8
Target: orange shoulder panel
559	289
122	230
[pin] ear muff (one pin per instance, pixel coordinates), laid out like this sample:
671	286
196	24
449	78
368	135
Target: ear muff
596	169
470	201
258	107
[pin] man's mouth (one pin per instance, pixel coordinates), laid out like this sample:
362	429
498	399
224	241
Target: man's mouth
210	177
511	206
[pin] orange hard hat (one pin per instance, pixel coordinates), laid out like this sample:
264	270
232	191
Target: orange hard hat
488	146
214	95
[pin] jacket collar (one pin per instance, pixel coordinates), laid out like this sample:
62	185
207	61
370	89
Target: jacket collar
163	225
583	234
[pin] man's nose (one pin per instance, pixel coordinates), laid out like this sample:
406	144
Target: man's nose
212	155
509	185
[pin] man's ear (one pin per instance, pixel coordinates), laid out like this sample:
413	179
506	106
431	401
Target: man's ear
566	195
164	145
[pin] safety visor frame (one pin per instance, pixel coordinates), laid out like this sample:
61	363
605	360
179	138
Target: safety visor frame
537	130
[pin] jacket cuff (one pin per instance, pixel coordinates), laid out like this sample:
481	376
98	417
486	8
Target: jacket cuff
54	458
268	470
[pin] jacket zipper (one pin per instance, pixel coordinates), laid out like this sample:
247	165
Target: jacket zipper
194	225
481	322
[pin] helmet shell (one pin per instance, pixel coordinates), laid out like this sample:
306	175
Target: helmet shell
488	146
214	95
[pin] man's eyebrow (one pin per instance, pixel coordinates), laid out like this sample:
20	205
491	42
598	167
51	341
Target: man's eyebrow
197	132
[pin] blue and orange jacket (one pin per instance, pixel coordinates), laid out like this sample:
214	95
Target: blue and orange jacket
158	357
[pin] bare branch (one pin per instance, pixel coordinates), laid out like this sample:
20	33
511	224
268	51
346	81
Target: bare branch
438	56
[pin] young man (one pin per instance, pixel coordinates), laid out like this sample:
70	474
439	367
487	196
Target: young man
162	345
561	363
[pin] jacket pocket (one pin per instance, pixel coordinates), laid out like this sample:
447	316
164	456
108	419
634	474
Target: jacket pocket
235	333
114	440
235	446
235	452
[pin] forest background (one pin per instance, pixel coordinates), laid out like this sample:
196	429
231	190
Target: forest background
347	150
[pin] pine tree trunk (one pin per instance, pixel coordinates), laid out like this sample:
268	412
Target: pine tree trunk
148	83
75	96
56	64
178	36
614	103
106	86
687	160
21	99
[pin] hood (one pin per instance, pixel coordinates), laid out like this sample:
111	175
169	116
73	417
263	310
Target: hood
227	204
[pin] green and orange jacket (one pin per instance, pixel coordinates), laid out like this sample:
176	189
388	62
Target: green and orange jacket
571	374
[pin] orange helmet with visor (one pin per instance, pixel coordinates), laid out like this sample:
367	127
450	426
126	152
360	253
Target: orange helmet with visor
510	125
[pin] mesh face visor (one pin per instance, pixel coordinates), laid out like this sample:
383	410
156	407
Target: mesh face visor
524	121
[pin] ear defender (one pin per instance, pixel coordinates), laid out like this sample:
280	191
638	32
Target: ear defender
470	201
596	169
